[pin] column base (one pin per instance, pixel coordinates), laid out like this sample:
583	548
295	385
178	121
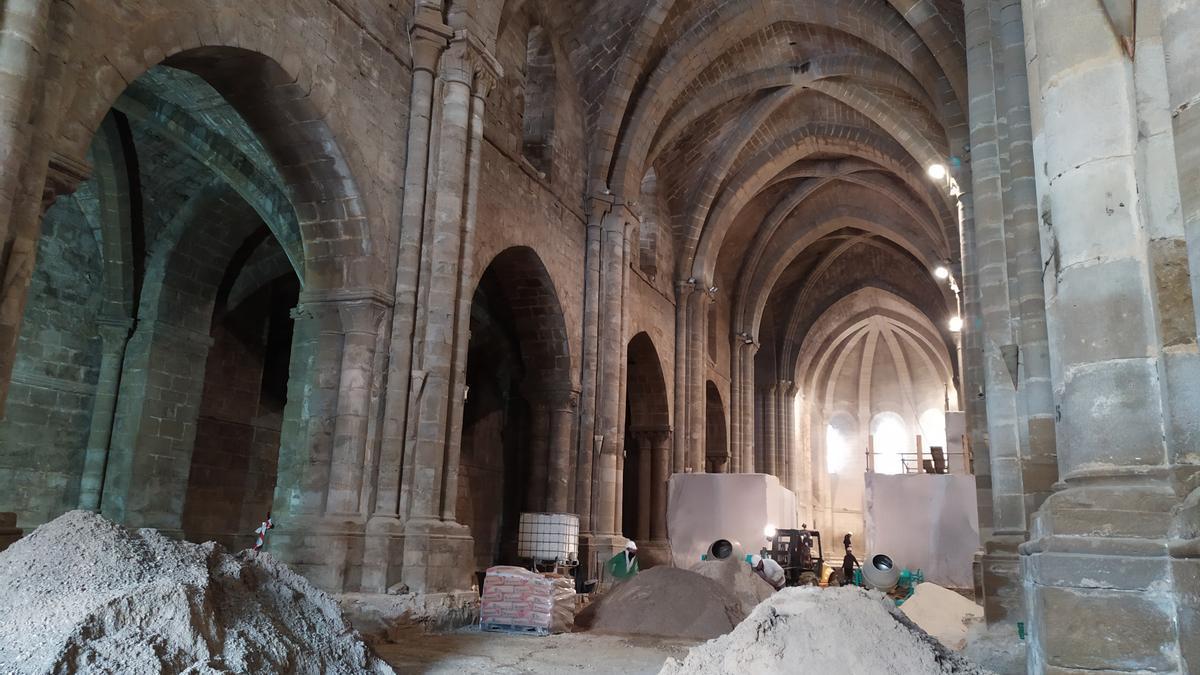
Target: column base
654	553
1003	592
1099	582
596	549
438	556
383	551
327	550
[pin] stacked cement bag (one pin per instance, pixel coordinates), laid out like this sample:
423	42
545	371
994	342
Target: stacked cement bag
518	600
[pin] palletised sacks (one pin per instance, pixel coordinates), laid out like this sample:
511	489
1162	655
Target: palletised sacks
514	596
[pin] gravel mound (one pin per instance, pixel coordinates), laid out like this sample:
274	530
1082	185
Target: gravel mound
84	595
736	575
666	602
823	630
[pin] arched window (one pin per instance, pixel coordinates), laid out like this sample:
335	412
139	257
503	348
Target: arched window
933	428
839	442
891	441
538	122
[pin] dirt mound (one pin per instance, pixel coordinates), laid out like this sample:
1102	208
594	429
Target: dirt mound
830	630
82	594
942	613
737	576
667	602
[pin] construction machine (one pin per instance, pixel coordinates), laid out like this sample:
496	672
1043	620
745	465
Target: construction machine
800	555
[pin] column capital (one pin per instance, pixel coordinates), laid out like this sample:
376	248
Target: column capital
429	37
469	62
63	177
655	436
361	316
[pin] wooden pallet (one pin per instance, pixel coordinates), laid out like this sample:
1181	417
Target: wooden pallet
510	628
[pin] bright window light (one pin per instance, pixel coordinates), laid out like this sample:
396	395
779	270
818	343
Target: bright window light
837	449
891	440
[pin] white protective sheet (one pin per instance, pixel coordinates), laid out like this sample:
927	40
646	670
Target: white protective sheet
704	507
924	521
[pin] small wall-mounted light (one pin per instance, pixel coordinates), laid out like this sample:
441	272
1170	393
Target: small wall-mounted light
956	324
769	531
712	291
937	171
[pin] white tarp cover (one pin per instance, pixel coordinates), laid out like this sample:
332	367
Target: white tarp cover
924	521
704	507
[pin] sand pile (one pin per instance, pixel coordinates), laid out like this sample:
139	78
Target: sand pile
942	613
81	594
823	630
734	574
667	602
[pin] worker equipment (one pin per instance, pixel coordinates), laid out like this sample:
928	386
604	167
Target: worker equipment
800	555
880	573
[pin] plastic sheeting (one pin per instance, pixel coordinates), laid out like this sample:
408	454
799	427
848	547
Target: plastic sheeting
704	507
924	521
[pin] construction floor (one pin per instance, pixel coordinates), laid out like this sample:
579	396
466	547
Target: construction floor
472	651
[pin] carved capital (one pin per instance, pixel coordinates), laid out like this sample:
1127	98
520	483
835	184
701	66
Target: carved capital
361	316
429	38
468	62
63	177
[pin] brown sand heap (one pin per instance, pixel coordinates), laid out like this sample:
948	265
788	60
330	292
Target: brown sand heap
81	594
823	630
667	602
736	575
942	613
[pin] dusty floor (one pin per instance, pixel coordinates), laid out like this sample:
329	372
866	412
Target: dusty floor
471	651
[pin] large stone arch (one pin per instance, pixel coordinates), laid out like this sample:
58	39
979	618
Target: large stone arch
519	415
646	466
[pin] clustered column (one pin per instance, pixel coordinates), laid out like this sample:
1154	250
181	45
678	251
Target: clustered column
1099	558
433	539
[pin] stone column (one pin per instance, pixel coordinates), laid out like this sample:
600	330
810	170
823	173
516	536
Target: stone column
301	537
586	461
539	454
1097	563
360	320
697	399
1000	564
1180	22
770	426
150	456
34	38
611	353
660	447
1039	465
645	459
787	392
114	334
429	40
683	294
749	352
564	408
735	404
432	541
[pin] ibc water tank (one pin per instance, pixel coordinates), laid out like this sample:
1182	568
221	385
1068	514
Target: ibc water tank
548	536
